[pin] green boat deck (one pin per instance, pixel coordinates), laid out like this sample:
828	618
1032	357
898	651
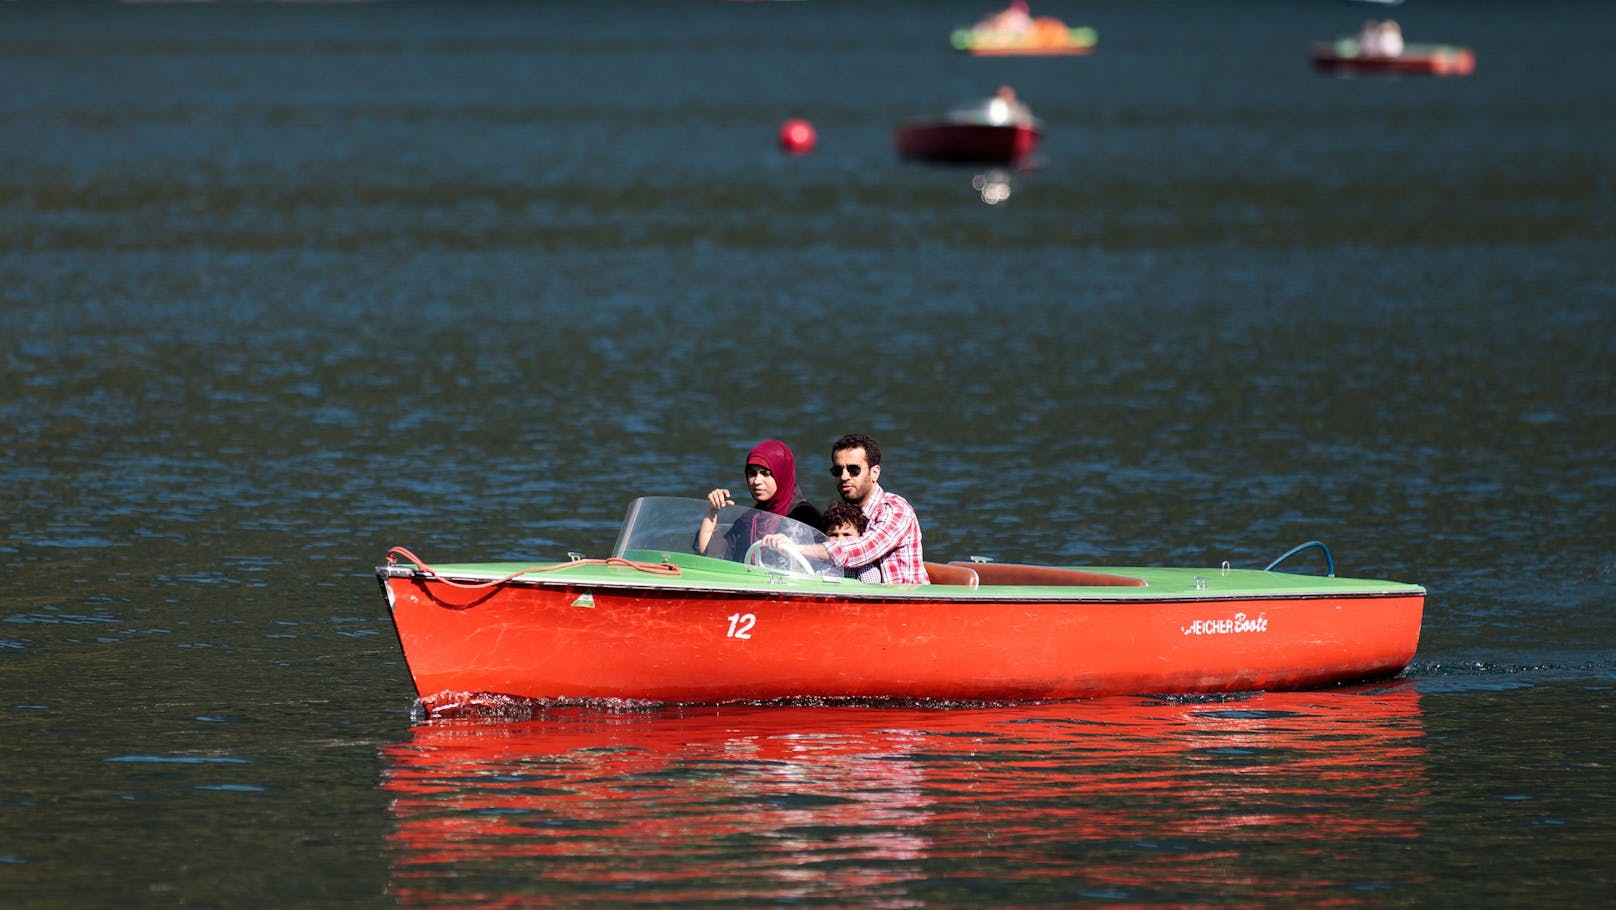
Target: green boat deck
701	573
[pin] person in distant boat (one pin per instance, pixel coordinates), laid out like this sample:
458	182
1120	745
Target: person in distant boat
1005	108
845	521
1015	18
771	478
1369	38
1380	39
1391	39
892	541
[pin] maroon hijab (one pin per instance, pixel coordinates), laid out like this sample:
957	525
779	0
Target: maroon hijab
774	455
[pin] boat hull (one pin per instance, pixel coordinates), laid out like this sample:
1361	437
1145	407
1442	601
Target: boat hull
966	143
1341	57
680	640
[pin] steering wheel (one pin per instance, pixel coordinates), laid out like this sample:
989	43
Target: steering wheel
798	562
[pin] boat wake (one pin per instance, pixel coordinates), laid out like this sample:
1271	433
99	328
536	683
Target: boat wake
489	706
505	708
484	706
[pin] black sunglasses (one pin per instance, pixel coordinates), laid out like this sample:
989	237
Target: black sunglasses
853	470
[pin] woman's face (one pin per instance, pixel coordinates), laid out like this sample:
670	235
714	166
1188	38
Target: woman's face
760	481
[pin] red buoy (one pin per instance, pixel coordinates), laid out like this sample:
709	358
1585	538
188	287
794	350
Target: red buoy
797	136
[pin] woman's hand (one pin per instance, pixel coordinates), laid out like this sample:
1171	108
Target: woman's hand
718	500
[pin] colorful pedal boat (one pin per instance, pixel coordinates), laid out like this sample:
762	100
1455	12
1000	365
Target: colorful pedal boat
656	622
1047	38
1342	56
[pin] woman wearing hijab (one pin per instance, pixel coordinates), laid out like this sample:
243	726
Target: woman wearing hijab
771	478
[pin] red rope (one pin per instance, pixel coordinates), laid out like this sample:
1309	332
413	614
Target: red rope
655	568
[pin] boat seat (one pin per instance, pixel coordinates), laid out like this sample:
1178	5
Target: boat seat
953	574
1009	573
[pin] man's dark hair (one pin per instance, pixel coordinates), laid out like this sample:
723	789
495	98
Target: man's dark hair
872	449
845	513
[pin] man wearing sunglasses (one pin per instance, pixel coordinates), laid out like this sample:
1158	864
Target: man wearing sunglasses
891	541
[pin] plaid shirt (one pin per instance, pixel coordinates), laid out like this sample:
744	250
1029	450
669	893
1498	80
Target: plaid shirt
891	542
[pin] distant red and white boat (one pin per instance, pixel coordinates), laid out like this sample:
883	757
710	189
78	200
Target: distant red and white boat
999	130
1344	56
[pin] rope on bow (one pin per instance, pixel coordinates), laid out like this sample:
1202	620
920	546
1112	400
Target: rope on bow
654	568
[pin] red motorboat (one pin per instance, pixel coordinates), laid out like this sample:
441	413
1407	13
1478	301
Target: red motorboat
657	621
1000	130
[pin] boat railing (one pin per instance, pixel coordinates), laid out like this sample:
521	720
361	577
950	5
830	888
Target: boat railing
1328	559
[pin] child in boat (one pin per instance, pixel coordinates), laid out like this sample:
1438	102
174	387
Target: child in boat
844	519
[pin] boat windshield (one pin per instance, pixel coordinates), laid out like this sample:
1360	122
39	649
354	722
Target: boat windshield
993	112
669	524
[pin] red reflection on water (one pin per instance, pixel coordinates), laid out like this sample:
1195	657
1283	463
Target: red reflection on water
1129	799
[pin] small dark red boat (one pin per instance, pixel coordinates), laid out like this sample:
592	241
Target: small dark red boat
1344	57
999	130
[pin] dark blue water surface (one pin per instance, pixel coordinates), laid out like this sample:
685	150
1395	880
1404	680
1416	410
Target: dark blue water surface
285	285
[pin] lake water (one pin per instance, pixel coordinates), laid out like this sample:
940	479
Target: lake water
286	285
